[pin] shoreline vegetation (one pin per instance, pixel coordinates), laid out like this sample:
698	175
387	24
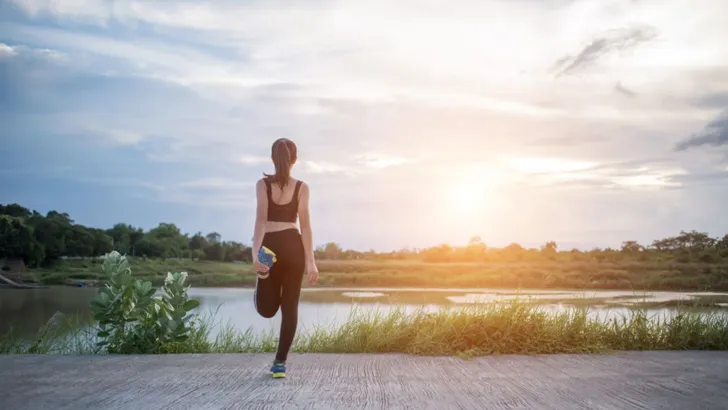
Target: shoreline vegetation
497	328
562	275
53	249
131	316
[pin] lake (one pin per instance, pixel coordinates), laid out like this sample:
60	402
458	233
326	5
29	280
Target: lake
27	309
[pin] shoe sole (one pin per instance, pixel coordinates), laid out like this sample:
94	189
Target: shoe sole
278	375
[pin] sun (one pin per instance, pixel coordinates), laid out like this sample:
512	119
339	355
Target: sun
466	198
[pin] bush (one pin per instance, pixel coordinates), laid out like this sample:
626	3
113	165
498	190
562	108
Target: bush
131	319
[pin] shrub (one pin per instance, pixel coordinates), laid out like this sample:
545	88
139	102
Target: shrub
131	319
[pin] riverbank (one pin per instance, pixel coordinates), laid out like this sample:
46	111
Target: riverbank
617	275
665	380
477	330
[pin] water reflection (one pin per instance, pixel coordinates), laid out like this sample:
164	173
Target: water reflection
26	310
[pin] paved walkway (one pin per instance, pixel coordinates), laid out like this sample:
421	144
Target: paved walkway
640	380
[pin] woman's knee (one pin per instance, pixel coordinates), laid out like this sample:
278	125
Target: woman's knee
267	311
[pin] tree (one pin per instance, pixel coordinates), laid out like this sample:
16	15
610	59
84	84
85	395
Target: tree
331	250
167	240
215	252
631	247
550	248
15	210
476	249
102	243
17	241
79	242
722	244
198	241
213	237
51	235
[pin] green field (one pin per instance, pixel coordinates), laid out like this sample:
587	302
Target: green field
538	274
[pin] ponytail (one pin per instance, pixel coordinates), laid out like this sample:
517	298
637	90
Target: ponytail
284	156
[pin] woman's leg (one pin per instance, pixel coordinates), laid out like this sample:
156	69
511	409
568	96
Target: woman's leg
267	296
291	292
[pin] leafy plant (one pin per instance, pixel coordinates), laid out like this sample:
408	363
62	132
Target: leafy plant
132	319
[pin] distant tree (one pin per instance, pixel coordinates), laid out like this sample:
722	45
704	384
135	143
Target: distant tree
198	241
332	250
215	252
550	248
17	241
513	248
476	249
213	237
79	242
15	210
51	234
631	247
722	243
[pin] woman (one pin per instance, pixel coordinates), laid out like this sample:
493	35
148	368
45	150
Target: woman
281	199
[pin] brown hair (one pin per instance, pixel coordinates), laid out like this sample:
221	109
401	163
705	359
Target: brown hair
284	154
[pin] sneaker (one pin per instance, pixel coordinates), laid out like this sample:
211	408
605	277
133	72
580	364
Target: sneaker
278	370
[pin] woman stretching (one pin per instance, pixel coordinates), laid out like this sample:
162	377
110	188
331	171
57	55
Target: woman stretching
281	199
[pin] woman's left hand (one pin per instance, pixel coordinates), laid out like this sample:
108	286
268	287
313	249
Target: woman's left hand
311	273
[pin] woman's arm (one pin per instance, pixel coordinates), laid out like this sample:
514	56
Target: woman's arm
306	231
261	215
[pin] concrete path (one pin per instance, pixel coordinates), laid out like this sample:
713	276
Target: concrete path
640	380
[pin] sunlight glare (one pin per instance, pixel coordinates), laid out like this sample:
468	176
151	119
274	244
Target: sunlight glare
467	198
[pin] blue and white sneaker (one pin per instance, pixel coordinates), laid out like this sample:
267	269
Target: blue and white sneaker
278	370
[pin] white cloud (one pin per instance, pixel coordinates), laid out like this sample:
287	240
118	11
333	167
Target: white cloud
253	160
380	160
454	95
537	165
118	137
494	57
7	51
317	167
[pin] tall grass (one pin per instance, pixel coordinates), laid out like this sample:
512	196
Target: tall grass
506	328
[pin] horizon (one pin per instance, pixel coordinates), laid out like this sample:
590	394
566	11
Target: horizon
584	122
560	247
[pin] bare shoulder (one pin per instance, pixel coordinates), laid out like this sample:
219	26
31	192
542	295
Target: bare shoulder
260	185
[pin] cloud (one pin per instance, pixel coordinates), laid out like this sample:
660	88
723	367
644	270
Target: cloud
618	40
7	51
254	160
703	178
714	134
714	100
316	167
187	96
581	174
624	90
380	160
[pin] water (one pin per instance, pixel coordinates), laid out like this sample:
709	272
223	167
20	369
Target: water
26	310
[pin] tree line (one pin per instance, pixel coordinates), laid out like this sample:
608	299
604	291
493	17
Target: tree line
687	246
40	240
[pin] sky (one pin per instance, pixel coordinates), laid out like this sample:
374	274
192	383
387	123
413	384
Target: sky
587	122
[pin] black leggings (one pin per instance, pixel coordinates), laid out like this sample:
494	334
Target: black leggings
283	286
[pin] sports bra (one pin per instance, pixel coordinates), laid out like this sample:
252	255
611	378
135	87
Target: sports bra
282	213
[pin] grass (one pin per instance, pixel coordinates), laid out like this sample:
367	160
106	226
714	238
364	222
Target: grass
497	328
535	274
